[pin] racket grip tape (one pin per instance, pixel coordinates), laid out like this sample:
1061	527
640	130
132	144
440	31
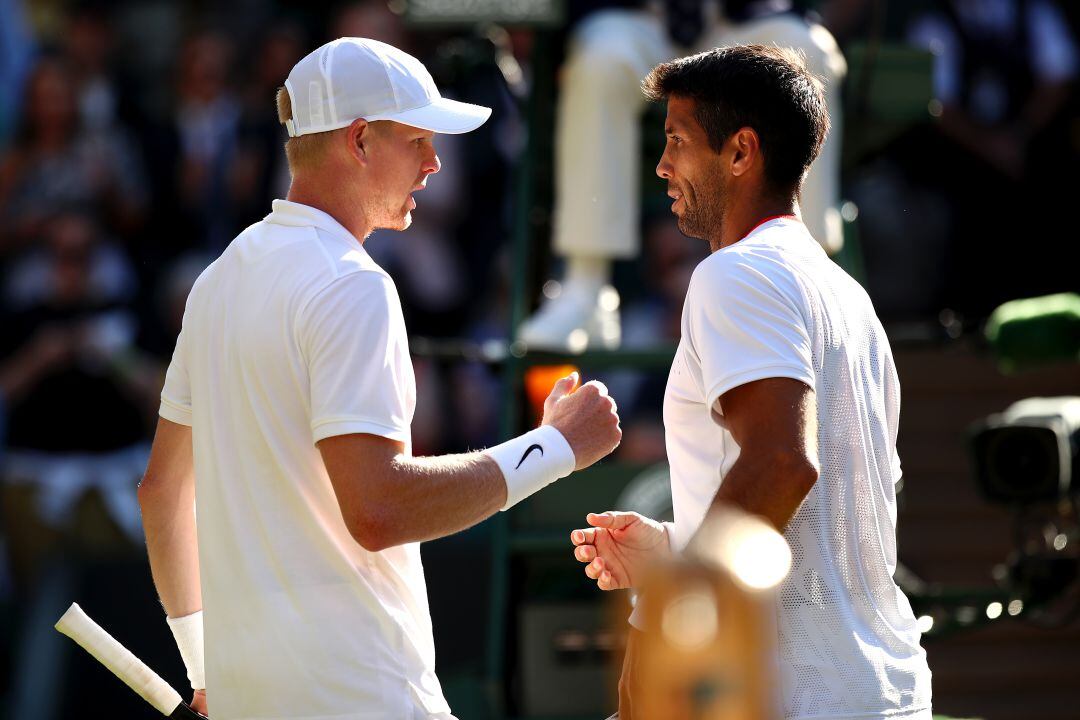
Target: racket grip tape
78	626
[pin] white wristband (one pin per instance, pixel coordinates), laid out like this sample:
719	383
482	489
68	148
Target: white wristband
188	631
532	461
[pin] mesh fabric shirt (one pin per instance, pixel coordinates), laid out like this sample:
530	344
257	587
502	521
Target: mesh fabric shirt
774	305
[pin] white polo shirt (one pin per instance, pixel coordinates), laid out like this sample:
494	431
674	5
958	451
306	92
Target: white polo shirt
774	305
294	335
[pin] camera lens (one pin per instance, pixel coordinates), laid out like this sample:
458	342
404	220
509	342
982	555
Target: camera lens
1021	463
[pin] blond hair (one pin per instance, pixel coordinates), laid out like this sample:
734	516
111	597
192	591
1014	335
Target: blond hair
306	150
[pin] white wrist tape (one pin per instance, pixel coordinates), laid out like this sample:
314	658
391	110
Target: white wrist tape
188	631
532	461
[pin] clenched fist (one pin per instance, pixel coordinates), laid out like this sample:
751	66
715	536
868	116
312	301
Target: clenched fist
587	418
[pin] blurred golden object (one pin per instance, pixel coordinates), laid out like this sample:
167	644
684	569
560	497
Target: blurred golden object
709	649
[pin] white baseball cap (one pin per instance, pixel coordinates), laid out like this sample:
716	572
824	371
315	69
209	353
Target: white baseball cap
352	78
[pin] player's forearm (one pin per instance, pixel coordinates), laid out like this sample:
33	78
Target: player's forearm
169	524
772	485
431	497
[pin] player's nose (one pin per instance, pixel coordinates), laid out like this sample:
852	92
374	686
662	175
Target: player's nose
663	168
433	165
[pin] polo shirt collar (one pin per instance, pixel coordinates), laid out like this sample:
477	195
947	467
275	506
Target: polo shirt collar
293	214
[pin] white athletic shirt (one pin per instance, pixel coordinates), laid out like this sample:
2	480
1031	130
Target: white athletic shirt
294	335
774	305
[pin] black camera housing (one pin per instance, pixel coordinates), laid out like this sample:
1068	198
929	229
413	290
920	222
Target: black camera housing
1030	453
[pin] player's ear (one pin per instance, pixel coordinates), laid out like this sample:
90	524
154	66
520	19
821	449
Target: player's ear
358	140
746	147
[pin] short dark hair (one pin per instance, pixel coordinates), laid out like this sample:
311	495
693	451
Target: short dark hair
762	87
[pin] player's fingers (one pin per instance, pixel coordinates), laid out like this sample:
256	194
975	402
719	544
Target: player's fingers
594	568
599	519
611	519
585	536
606	581
601	388
585	553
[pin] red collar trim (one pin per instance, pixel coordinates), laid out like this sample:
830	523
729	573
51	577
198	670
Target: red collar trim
768	219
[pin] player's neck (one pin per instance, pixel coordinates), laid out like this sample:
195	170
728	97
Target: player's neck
742	218
339	205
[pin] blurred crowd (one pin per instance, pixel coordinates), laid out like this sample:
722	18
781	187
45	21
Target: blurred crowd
137	138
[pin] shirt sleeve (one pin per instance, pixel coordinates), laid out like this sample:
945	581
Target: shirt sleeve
353	337
744	327
176	393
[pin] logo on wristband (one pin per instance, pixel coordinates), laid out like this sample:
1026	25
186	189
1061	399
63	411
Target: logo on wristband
527	451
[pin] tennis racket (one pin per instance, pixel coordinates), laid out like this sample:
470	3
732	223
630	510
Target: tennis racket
78	626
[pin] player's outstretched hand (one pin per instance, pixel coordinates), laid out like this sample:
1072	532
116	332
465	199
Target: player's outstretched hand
618	547
587	418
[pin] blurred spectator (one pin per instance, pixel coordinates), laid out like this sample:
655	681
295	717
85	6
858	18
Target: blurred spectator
258	172
190	152
88	47
371	19
16	55
944	208
1003	72
78	396
207	121
56	162
162	307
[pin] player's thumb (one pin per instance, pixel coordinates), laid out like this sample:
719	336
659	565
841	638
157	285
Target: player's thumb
611	519
563	387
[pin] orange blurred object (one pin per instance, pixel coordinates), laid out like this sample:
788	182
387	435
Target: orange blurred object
539	380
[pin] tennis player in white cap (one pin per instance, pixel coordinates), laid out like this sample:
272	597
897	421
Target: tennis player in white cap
286	413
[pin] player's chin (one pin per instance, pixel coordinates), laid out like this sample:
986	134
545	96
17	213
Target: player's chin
690	229
400	222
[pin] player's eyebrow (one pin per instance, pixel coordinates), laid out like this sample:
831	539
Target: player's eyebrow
673	127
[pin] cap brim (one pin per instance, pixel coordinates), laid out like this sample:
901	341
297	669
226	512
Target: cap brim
442	115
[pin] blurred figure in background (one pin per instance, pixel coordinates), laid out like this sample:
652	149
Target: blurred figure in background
76	394
190	151
257	172
371	19
206	123
76	397
1003	74
16	56
55	161
88	49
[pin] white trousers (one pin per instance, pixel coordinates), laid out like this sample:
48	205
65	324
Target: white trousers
598	126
